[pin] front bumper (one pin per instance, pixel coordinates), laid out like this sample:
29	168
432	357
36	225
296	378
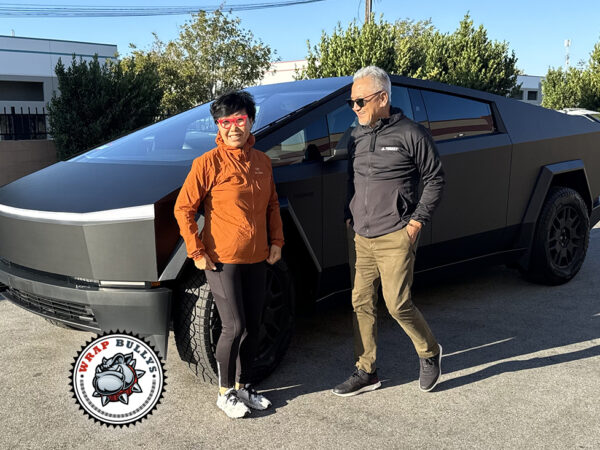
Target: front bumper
142	311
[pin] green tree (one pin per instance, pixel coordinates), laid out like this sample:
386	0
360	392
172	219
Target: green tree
346	51
466	57
211	55
574	87
98	102
412	42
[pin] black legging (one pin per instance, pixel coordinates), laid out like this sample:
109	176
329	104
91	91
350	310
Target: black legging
239	293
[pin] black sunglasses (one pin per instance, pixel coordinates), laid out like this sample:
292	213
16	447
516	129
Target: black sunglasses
361	101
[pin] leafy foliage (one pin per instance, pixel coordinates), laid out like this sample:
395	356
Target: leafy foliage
346	51
100	102
574	87
211	55
466	57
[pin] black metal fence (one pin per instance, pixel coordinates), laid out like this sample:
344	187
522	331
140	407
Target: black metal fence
24	124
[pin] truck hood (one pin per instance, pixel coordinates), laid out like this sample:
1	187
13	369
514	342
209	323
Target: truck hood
82	188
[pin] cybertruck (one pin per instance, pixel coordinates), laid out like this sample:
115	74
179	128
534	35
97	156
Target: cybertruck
91	243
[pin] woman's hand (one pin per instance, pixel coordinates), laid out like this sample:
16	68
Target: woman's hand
204	263
274	254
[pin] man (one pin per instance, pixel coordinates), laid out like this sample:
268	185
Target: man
388	155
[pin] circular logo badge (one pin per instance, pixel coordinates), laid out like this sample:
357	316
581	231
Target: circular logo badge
118	379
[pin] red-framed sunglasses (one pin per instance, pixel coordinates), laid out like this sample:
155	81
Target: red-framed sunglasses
239	121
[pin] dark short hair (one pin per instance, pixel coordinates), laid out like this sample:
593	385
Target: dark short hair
233	102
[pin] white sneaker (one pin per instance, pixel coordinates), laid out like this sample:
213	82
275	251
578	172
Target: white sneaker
231	404
253	399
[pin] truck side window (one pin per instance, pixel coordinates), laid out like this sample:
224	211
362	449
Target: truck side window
307	145
341	121
452	117
401	99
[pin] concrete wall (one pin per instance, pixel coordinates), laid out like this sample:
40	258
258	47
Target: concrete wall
20	158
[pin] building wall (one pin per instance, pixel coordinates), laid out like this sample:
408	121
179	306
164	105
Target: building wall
531	86
282	71
34	60
20	158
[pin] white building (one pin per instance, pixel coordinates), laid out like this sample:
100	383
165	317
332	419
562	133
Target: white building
283	71
27	77
531	89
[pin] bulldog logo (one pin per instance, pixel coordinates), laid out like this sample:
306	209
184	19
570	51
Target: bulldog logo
118	379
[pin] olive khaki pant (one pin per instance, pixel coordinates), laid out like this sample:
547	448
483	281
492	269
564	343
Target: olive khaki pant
389	258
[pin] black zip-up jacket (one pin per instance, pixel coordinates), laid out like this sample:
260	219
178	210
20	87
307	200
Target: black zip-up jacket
385	165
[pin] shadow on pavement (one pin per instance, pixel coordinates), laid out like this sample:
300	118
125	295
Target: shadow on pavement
480	318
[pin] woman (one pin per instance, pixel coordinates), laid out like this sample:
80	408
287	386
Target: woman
234	184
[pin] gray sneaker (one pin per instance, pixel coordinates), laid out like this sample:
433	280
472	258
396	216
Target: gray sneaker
430	371
253	399
231	404
360	381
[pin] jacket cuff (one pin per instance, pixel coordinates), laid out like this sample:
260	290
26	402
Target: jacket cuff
196	255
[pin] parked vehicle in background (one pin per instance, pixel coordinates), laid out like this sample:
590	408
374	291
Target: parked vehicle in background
91	243
594	116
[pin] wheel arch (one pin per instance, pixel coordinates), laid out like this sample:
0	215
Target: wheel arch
178	260
570	174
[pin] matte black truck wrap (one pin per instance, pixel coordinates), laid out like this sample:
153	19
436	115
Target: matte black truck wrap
91	243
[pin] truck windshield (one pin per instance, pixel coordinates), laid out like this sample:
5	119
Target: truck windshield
181	138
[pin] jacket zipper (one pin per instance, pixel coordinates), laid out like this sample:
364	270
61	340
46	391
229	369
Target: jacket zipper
253	221
371	150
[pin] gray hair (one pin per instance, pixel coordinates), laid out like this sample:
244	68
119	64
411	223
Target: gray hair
379	77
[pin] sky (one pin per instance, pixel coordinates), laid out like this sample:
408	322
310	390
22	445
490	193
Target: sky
535	29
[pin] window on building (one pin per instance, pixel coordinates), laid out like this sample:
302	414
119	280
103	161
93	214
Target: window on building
21	91
307	145
517	95
532	95
452	117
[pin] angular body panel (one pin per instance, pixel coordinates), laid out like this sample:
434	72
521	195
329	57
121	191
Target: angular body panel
107	216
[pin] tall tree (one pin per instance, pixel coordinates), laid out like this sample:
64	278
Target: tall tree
98	102
346	51
412	41
575	87
211	55
466	57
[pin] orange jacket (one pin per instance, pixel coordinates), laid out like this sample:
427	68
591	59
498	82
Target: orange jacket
240	202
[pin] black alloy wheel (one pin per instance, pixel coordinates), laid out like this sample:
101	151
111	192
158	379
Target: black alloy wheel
566	237
561	238
277	321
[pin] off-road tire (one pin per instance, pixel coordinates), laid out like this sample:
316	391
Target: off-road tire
561	238
197	325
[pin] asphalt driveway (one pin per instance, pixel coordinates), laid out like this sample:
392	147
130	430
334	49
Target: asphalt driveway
521	370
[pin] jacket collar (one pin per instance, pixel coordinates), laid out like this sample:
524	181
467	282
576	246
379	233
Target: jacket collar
245	150
396	114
